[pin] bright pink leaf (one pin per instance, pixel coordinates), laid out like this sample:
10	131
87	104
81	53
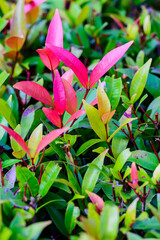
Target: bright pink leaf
98	201
17	138
59	94
31	5
35	90
49	59
53	116
49	138
68	76
72	62
71	98
134	175
55	31
107	62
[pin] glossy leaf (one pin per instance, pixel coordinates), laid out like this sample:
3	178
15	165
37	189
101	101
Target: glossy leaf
87	145
72	213
27	120
92	173
18	152
7	113
75	115
53	116
35	139
35	90
96	200
70	97
72	62
131	214
123	124
18	28
139	80
3	77
49	59
24	175
49	138
104	105
50	174
107	62
95	121
68	76
109	222
134	175
55	31
156	174
121	160
18	138
59	94
114	88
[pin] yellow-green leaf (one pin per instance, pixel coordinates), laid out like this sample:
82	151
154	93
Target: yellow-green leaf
95	121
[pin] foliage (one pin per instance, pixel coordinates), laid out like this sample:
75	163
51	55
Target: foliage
79	99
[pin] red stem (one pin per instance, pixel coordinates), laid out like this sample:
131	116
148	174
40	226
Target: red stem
1	170
40	175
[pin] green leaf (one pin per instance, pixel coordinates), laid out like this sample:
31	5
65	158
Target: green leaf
92	173
3	23
118	145
27	120
121	160
133	236
156	174
145	159
72	213
109	222
82	15
50	174
153	85
131	214
34	230
87	145
154	107
3	77
7	113
140	59
24	175
139	80
57	219
147	25
95	121
114	88
155	212
123	124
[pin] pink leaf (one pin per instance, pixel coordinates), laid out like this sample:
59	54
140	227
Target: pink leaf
55	31
59	94
17	138
53	116
71	98
98	201
134	175
68	76
49	59
72	62
35	90
49	138
107	62
31	5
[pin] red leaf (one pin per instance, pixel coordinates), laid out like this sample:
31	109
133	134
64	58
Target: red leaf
17	138
55	31
68	76
72	62
35	90
49	59
49	138
71	98
134	175
107	62
53	116
98	201
59	94
31	5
